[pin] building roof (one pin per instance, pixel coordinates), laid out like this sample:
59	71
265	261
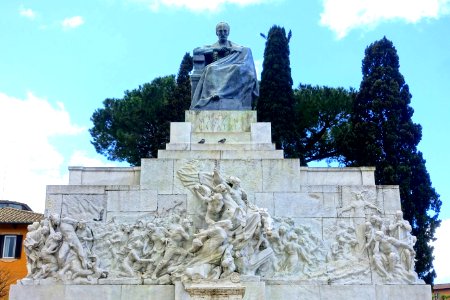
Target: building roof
14	204
442	286
18	216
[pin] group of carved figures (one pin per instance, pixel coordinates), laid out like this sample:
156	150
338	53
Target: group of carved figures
227	236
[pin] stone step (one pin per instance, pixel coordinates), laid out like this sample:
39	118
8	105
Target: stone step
221	154
219	146
214	137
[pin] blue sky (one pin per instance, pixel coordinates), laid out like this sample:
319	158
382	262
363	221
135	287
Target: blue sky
60	59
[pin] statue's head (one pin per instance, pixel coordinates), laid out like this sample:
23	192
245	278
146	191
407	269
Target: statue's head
222	31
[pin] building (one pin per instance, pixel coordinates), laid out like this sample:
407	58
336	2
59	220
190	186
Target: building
441	291
14	219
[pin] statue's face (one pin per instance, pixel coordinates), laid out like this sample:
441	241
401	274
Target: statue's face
222	33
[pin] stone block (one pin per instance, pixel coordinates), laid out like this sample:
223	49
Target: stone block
391	198
94	292
265	200
105	175
256	154
76	189
128	217
53	204
174	154
261	132
83	206
157	174
212	138
36	292
249	171
293	292
254	290
171	203
232	146
341	292
337	176
281	175
180	132
128	201
148	292
220	120
178	147
301	205
394	292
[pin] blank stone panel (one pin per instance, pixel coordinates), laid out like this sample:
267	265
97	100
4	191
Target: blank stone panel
148	292
281	175
293	292
128	201
391	198
300	205
157	174
344	292
104	292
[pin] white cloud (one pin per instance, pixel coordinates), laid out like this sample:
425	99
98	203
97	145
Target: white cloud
72	22
342	16
28	161
81	158
441	251
27	12
196	5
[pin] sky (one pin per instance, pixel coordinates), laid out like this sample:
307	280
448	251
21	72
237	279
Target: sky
60	59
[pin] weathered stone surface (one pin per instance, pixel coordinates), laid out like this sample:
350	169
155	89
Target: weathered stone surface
180	132
77	292
220	121
104	175
390	198
294	292
38	292
157	174
148	292
171	203
261	132
301	205
337	176
281	175
265	200
83	206
132	201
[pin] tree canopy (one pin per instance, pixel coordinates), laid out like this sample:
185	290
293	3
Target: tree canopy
382	134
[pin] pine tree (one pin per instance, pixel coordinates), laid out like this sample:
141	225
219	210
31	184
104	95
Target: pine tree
383	135
276	100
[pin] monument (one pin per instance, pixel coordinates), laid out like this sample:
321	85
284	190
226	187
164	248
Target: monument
228	220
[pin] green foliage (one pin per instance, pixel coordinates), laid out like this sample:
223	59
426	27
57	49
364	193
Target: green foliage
276	100
135	126
321	115
382	134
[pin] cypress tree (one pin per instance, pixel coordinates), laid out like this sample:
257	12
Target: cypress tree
276	100
383	135
182	93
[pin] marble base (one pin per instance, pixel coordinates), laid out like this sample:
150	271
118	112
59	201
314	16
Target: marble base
253	291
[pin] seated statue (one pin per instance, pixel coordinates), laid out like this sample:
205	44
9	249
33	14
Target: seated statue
224	76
